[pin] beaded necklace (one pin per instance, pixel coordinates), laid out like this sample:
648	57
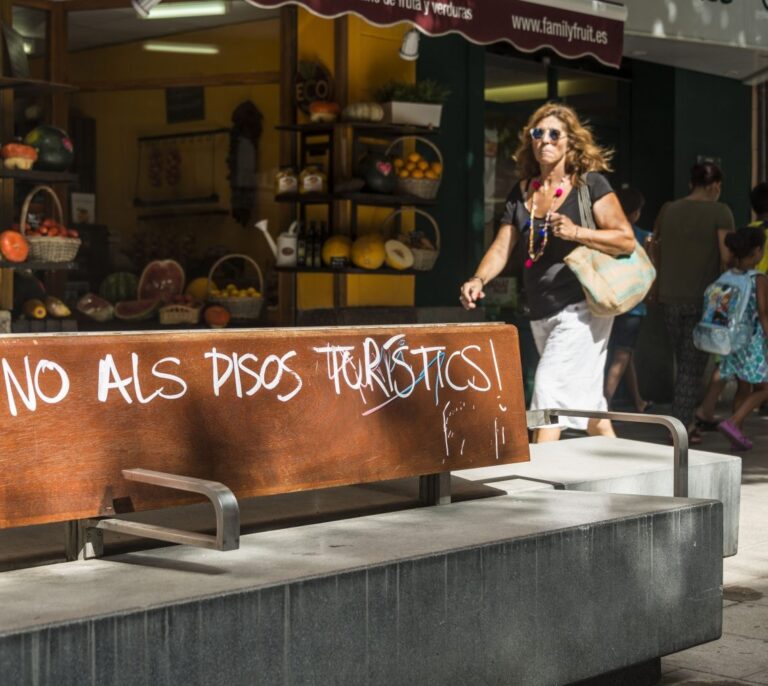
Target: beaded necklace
534	254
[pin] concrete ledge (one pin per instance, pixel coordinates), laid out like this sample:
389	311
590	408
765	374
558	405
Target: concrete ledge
617	465
544	587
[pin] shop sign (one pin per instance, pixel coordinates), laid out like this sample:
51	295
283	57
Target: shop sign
572	28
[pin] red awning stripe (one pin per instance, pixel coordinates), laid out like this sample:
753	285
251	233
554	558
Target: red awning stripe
529	25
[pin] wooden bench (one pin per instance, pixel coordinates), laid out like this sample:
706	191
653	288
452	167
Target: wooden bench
98	425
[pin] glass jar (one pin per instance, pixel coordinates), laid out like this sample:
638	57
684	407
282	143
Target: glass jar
312	180
286	181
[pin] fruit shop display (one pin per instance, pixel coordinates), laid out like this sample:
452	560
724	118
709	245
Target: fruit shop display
397	255
322	111
163	279
51	228
95	307
363	112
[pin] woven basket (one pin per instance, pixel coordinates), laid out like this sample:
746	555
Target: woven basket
179	314
45	248
240	308
423	258
425	189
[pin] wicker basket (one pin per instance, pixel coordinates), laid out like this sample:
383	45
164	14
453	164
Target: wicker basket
179	314
423	258
240	308
425	189
45	248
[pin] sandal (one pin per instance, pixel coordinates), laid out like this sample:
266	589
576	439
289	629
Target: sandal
732	432
706	424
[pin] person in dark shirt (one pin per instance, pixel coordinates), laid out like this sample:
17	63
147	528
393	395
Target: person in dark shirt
556	155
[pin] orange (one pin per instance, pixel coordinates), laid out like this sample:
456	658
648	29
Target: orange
403	173
417	174
414	157
216	316
423	165
437	168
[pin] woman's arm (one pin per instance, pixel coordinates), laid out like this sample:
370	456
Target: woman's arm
490	266
615	236
726	258
761	284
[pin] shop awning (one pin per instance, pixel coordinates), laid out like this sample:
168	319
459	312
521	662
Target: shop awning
572	28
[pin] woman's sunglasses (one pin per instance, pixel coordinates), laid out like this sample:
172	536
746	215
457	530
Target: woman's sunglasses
538	133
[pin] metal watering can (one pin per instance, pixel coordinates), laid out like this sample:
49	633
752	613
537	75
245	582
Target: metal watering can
285	248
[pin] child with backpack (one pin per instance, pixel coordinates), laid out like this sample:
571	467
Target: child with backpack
735	324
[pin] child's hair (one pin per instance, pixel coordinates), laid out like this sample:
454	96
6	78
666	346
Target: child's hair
744	240
631	199
758	198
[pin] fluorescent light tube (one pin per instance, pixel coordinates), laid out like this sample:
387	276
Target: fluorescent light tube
175	10
184	48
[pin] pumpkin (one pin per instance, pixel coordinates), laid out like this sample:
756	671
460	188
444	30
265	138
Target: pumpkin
18	156
13	246
363	111
323	111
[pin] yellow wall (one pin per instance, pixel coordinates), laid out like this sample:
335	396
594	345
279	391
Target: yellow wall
373	59
123	116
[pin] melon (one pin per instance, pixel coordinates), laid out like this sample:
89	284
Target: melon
398	255
198	288
336	251
95	307
368	251
119	286
161	279
137	310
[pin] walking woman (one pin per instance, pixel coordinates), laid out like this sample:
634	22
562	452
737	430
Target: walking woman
689	236
556	155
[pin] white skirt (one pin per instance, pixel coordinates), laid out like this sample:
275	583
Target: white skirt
573	345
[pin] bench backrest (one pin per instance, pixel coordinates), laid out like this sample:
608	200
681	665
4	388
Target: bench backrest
262	411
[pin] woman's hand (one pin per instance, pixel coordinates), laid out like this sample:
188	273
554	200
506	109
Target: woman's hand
563	227
471	291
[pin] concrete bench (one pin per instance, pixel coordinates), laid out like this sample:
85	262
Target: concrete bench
543	586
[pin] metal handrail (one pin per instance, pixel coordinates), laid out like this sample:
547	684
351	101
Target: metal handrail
540	419
224	503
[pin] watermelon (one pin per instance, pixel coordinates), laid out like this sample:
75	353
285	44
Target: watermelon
54	148
119	286
162	279
137	310
378	172
95	307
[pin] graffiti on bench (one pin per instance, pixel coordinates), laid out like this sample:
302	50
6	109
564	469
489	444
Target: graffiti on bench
265	411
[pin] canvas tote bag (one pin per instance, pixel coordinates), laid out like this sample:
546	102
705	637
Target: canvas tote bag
612	285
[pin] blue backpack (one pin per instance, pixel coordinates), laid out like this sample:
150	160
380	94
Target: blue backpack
723	328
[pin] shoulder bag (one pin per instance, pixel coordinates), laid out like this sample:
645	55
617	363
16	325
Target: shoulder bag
612	285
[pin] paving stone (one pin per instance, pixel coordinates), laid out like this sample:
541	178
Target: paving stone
746	619
732	656
689	677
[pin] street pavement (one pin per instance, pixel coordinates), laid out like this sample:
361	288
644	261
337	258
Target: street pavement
741	655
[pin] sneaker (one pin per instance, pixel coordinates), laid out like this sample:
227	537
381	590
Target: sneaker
732	432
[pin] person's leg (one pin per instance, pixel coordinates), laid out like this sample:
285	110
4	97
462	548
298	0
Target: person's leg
616	368
691	362
756	398
706	411
743	389
634	387
600	427
546	435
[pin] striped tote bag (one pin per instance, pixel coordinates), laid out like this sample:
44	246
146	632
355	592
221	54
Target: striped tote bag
612	285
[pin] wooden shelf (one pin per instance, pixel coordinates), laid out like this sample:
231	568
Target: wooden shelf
34	85
39	266
372	199
384	271
38	175
369	127
183	213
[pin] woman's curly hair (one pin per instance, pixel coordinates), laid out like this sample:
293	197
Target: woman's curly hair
583	155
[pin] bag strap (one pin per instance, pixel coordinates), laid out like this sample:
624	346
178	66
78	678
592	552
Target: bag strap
585	206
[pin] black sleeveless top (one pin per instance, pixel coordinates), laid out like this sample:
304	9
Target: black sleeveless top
549	284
